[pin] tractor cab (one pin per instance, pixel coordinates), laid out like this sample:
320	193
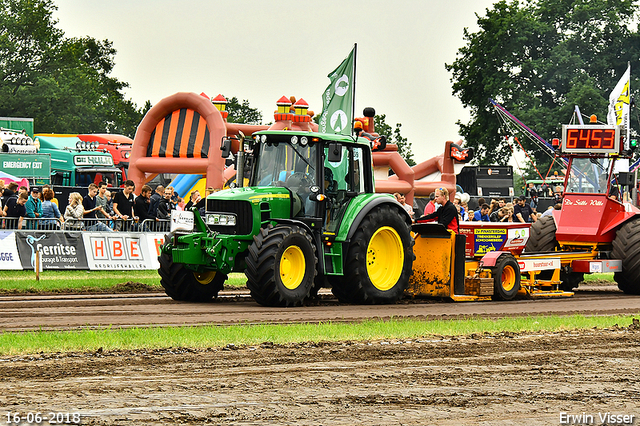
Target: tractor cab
592	209
322	174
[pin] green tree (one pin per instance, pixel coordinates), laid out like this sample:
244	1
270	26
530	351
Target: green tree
394	136
242	112
63	83
540	58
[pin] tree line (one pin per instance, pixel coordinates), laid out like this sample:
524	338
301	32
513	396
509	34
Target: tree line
540	58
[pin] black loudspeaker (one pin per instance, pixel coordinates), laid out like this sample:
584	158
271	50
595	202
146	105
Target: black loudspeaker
625	178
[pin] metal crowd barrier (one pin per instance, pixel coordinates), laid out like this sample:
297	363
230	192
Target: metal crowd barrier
93	225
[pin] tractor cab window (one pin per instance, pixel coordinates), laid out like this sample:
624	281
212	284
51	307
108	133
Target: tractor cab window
589	175
290	166
343	180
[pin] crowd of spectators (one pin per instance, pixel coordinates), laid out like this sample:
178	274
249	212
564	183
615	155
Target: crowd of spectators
37	208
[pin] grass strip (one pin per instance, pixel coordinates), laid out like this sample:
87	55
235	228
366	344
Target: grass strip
67	281
88	340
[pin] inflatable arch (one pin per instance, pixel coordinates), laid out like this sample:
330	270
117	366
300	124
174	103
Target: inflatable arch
182	134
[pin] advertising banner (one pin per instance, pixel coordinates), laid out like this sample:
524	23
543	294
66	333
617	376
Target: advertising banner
60	250
122	250
9	258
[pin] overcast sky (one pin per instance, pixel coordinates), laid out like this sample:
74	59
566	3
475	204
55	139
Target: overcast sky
260	50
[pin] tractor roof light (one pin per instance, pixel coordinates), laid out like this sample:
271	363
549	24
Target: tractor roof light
294	140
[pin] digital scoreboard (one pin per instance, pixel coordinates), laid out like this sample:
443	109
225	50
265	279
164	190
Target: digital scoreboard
590	139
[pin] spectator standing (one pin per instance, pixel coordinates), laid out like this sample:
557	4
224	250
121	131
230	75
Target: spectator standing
54	200
165	206
109	207
34	208
522	211
195	199
431	205
154	200
482	215
457	201
141	207
533	195
501	215
8	192
557	195
174	197
91	208
50	211
402	200
74	213
102	201
15	210
123	203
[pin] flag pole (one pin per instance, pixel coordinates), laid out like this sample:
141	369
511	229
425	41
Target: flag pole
353	103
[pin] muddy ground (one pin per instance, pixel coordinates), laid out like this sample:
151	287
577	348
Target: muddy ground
503	379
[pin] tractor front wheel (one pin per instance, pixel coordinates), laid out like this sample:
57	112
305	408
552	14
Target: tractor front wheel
626	246
186	285
281	266
379	259
506	278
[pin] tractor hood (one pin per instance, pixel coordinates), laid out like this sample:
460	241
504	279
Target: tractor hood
242	211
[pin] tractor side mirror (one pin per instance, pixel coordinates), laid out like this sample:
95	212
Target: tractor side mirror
225	147
335	152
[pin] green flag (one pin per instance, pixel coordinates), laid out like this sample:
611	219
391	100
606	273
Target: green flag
337	99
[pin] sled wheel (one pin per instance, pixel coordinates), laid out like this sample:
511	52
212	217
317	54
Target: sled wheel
626	246
281	266
184	284
506	278
379	259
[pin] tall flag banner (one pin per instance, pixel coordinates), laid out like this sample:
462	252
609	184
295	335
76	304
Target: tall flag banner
619	101
338	98
619	112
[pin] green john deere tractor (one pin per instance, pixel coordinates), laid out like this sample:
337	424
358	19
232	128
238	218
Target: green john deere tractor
309	218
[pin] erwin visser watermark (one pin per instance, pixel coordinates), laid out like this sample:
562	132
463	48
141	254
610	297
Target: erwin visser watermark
597	419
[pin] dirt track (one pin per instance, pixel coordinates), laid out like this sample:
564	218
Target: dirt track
73	311
500	379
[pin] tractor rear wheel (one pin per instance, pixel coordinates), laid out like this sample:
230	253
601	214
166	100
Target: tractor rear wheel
379	259
281	266
626	246
506	278
186	285
542	235
570	280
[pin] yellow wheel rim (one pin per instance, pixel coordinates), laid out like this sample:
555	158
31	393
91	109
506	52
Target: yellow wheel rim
385	258
508	278
292	267
204	277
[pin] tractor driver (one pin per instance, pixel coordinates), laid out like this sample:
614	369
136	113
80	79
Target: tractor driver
446	215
